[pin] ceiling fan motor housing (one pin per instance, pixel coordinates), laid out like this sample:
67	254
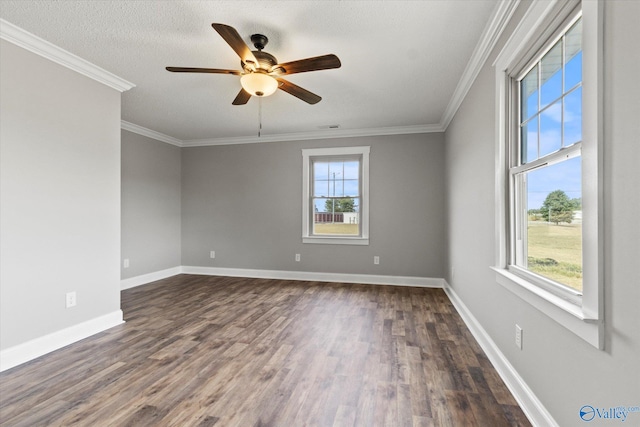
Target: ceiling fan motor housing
265	61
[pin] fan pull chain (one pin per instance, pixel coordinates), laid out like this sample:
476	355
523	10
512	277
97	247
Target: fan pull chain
259	116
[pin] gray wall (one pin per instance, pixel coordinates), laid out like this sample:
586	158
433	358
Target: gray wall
151	205
562	370
245	202
59	196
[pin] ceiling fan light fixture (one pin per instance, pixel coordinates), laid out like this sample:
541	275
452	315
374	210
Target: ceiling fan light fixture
259	84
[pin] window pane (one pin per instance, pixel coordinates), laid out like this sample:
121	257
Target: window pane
551	75
336	170
320	170
554	231
573	117
529	94
573	56
352	169
336	187
529	137
551	129
351	188
321	188
339	216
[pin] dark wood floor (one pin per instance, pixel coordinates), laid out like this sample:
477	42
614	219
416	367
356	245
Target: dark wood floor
202	351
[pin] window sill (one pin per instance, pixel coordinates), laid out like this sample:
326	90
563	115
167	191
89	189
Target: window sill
563	312
336	240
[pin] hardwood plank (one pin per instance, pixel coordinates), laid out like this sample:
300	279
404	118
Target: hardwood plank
405	415
460	409
420	406
345	416
145	416
386	412
203	351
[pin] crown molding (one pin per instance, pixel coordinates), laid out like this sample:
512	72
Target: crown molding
500	18
323	134
35	44
297	136
131	127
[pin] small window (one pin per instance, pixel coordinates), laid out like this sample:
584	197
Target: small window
335	195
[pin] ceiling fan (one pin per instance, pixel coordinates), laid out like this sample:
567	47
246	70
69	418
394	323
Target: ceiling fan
261	73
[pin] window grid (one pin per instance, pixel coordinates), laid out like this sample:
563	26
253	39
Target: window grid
540	110
329	185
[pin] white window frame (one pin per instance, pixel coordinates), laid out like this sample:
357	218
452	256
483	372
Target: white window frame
583	315
308	155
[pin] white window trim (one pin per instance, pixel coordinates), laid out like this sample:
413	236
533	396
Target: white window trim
538	24
307	154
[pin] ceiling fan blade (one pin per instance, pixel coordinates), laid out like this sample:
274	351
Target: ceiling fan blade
233	39
324	62
298	92
242	97
202	70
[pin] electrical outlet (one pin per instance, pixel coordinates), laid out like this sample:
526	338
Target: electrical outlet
518	336
297	257
126	263
376	260
212	254
71	299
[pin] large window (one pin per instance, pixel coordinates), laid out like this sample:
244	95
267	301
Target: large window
335	195
546	165
549	166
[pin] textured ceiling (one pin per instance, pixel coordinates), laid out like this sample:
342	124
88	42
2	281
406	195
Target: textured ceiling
401	60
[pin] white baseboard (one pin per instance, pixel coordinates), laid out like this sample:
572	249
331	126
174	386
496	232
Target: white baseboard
30	350
528	401
148	278
369	279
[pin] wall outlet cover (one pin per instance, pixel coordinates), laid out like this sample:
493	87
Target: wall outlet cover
518	337
71	299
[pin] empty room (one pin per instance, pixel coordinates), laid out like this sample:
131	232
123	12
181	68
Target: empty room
319	213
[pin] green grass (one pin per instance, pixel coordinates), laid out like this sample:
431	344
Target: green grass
336	228
555	251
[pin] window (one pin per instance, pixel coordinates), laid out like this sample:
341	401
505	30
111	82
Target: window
545	167
548	169
335	195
